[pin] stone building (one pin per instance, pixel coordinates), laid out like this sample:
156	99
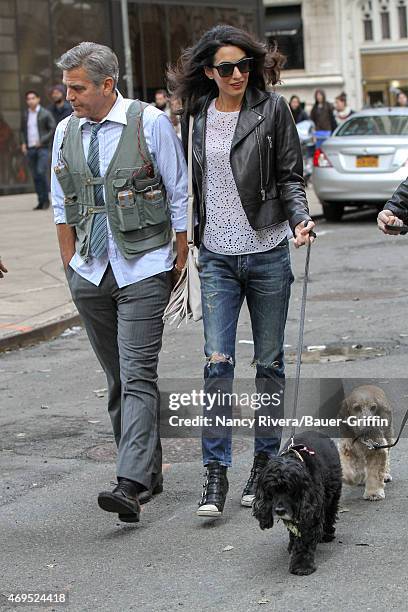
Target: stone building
356	46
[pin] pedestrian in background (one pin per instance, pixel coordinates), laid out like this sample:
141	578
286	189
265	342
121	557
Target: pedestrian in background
7	149
323	117
341	110
59	108
402	99
37	129
322	113
119	187
298	112
176	107
243	227
162	102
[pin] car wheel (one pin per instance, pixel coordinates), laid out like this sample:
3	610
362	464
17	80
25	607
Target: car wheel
333	211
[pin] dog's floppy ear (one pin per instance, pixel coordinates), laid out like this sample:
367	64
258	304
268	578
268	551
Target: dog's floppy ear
344	412
312	499
262	506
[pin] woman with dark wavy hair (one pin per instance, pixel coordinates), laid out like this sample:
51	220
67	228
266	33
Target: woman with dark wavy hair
249	193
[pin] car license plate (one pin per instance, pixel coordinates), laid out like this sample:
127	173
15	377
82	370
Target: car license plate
367	161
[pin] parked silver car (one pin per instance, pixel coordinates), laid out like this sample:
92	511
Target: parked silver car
363	161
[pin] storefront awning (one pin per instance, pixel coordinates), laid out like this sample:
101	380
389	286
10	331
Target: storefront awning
282	25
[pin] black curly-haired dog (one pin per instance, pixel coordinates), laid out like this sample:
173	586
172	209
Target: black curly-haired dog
301	486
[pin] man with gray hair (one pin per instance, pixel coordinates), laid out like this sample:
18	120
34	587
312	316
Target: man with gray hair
119	187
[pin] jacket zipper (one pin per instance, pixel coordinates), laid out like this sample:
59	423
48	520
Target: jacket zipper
202	206
263	193
268	160
197	160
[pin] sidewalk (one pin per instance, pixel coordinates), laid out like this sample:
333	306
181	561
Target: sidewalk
35	303
34	297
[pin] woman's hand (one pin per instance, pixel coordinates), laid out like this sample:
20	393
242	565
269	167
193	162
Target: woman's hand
302	234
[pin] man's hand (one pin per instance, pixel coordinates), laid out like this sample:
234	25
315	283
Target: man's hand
386	217
182	252
3	269
302	234
66	238
24	149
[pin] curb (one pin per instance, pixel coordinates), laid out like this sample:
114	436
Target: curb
38	334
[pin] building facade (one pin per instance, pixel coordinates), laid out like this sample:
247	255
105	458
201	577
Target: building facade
356	46
34	33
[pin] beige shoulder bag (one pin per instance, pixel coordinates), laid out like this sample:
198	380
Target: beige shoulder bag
185	299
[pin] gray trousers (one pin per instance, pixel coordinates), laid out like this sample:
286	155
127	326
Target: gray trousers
125	329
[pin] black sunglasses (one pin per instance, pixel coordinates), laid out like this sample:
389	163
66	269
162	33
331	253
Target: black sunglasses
226	69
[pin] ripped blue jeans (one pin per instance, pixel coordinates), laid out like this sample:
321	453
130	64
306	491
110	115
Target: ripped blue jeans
264	279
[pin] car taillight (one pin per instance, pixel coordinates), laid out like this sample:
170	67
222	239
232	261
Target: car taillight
320	160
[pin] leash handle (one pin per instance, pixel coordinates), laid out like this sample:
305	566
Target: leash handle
301	331
402	229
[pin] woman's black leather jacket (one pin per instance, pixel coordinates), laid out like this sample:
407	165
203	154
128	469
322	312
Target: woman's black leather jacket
266	161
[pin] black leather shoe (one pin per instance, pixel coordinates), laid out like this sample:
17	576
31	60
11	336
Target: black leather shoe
248	494
145	496
123	500
156	487
215	489
38	207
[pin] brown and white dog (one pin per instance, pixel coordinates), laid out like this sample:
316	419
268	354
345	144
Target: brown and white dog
361	463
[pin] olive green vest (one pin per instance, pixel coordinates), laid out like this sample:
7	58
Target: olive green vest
135	198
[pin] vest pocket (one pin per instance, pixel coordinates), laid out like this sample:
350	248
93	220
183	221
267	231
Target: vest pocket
154	207
72	216
71	205
126	207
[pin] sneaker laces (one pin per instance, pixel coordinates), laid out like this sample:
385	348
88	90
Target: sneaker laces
257	467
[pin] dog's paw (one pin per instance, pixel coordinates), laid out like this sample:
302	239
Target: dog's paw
302	570
374	495
387	478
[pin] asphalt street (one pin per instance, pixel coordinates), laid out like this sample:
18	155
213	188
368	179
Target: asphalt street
57	454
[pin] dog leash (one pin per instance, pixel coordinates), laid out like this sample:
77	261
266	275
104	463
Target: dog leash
377	446
301	333
296	449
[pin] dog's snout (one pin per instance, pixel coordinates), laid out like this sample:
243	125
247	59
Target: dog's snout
280	510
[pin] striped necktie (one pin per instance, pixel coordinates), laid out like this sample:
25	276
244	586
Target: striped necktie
99	231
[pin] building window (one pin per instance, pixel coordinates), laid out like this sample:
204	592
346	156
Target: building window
284	26
368	29
385	25
367	9
402	19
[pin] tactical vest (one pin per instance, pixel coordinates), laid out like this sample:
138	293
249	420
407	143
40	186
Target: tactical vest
135	197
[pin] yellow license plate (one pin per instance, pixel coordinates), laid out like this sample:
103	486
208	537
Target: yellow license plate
367	161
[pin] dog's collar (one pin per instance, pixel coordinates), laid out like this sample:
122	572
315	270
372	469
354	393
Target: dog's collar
297	449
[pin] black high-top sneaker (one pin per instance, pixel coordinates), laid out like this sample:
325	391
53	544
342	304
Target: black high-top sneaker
248	494
215	489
